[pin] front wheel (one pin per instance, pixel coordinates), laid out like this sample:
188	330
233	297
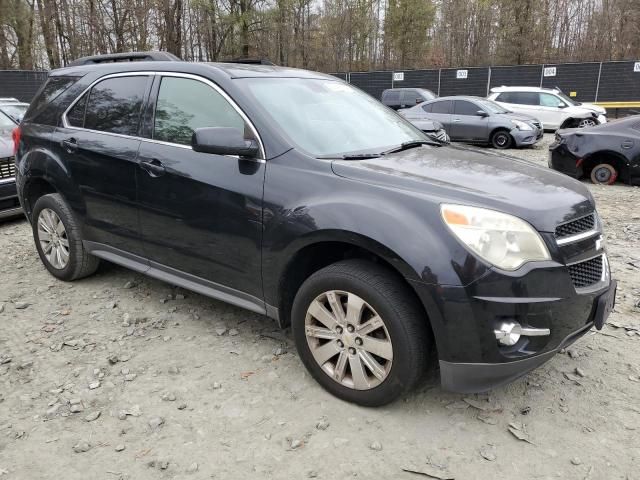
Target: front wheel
587	122
604	174
501	139
359	331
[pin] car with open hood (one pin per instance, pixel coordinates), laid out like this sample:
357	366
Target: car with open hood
297	196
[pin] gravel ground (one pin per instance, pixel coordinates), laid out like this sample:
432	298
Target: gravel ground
120	376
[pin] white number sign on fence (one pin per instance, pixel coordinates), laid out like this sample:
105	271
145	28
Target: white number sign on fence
549	71
636	67
462	74
398	76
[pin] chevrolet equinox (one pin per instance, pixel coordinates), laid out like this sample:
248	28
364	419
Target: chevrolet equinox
295	195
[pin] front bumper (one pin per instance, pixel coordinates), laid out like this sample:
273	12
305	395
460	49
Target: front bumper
523	138
538	296
9	203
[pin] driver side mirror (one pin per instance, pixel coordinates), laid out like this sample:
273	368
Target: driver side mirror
482	113
223	141
562	105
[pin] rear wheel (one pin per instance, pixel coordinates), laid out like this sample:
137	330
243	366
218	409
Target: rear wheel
604	174
501	139
360	333
58	239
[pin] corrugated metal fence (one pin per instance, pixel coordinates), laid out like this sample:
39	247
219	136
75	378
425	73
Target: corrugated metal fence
587	82
21	84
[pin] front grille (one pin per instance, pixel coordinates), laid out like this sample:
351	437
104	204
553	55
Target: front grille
7	168
575	227
537	124
585	274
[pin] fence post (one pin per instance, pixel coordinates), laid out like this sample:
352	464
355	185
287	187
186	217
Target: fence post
489	81
542	75
598	84
439	73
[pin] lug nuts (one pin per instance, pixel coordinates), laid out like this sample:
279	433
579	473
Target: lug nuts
350	328
339	329
352	350
358	341
340	344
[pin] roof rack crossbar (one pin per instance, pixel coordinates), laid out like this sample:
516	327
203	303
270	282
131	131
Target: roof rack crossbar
126	57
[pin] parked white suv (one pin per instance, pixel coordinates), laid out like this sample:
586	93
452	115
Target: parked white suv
550	106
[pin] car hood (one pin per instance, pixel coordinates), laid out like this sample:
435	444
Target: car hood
460	175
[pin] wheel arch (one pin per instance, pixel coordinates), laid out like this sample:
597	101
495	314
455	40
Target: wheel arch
615	159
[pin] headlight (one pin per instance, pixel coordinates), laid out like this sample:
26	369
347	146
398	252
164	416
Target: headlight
522	125
499	238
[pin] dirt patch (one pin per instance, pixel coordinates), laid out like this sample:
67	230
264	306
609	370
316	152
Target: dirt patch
120	376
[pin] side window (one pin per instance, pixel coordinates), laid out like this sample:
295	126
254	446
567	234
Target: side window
441	107
185	104
427	108
525	98
409	97
392	96
462	107
506	97
548	100
114	105
75	116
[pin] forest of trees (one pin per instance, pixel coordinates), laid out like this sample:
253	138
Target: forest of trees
325	35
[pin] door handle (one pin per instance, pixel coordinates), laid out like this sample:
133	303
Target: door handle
627	144
456	120
70	145
154	167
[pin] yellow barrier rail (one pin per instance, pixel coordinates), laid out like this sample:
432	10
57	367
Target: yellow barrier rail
618	104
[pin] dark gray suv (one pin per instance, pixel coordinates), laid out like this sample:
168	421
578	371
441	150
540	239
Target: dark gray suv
397	98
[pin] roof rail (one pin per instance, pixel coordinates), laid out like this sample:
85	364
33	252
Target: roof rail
251	61
126	57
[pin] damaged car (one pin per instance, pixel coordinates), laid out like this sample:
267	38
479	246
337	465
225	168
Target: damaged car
604	153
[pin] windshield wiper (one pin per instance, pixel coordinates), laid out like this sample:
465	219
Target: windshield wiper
351	156
410	144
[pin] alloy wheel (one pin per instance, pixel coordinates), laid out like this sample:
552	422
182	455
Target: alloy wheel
587	122
348	340
602	175
53	239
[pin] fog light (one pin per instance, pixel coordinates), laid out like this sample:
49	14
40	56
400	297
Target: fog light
508	333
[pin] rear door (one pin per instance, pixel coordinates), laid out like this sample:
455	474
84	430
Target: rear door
466	124
201	214
441	111
520	102
98	140
391	98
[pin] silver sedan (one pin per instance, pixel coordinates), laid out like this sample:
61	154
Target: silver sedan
477	120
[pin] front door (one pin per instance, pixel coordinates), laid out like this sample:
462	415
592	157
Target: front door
466	123
98	142
200	213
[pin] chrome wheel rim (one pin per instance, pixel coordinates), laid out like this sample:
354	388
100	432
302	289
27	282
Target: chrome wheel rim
603	175
53	239
348	340
586	123
501	140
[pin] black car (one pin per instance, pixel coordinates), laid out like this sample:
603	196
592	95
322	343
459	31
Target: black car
397	98
603	153
295	195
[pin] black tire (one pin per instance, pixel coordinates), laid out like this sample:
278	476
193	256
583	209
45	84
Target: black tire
402	315
80	263
604	174
501	139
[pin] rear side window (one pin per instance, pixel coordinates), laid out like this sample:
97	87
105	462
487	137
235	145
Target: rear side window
43	108
391	96
427	108
441	107
462	107
505	97
524	98
184	105
114	105
409	97
75	116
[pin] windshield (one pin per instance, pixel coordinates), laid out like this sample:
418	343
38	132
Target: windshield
14	111
330	118
569	100
492	107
